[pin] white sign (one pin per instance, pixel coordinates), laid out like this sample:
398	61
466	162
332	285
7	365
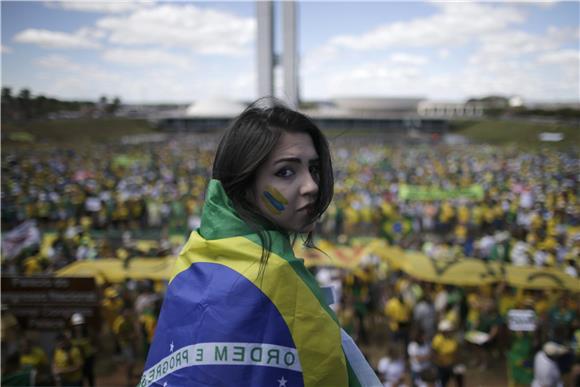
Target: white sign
551	136
522	320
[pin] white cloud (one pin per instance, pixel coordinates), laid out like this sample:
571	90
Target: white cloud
513	43
563	34
519	78
499	49
62	76
83	38
202	30
5	49
532	79
74	80
408	59
58	62
453	24
457	23
146	85
565	57
443	53
146	57
87	85
317	58
243	85
542	4
105	6
376	78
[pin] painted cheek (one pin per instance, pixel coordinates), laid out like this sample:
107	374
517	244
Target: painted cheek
274	201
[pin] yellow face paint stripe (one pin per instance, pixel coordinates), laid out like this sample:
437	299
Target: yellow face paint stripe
274	200
315	334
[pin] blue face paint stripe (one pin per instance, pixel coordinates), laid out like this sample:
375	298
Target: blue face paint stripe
279	206
270	207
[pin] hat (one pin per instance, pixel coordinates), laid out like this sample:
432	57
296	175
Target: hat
77	319
554	349
445	326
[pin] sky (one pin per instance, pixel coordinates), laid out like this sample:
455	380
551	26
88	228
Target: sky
180	52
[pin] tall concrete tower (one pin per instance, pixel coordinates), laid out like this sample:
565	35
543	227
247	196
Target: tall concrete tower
289	54
265	48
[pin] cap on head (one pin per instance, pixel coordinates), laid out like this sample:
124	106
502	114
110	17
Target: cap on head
445	326
554	349
77	319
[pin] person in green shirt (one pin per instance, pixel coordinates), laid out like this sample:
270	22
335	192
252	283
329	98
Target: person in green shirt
520	359
14	375
33	357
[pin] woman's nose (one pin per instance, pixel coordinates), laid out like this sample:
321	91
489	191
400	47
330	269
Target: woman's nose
309	185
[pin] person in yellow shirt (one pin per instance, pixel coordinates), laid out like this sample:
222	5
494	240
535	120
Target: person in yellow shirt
126	328
34	358
83	340
446	351
463	215
446	216
67	362
507	298
111	306
473	300
542	304
399	318
148	323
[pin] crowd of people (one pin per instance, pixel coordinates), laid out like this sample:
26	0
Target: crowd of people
529	213
98	201
431	333
412	332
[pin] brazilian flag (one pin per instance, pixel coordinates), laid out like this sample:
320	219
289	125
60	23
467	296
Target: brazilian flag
223	324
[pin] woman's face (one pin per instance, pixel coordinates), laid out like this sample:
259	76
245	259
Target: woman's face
286	185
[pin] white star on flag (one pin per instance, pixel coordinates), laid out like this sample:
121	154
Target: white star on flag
282	382
164	384
171	346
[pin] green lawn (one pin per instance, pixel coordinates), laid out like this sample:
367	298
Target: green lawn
81	131
515	132
85	131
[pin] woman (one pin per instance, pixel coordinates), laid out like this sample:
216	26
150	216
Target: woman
240	308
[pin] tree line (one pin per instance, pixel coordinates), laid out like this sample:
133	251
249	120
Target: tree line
498	106
25	106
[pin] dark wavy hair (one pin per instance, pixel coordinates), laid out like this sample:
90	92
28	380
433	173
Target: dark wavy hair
247	144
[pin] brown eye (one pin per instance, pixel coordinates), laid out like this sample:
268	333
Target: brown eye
285	172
